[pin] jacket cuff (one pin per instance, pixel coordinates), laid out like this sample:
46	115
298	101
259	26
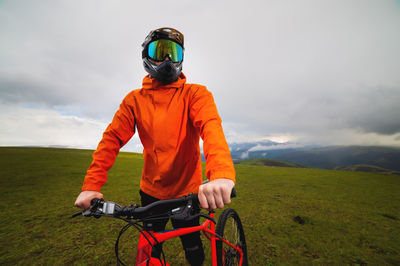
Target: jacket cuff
222	174
91	187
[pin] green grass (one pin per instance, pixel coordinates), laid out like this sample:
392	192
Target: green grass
269	162
291	216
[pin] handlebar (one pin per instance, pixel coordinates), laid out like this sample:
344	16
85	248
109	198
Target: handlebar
179	206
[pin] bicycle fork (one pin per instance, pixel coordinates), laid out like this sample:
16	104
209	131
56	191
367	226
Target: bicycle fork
211	235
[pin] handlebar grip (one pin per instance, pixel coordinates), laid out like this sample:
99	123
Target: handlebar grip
233	192
95	201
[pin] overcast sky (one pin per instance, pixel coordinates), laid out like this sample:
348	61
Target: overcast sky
309	72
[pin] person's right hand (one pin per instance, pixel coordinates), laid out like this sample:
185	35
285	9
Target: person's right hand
83	200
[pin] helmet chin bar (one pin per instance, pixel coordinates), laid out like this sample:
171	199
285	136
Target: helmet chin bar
166	72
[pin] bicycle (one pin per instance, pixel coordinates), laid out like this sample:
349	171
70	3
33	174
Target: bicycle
228	244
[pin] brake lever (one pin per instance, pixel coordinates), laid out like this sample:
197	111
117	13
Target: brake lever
86	213
93	210
77	214
184	213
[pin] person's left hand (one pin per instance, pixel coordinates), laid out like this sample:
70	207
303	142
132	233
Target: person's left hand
216	193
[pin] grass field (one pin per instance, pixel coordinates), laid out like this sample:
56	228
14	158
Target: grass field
291	216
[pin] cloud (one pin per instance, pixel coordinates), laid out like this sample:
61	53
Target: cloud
365	109
30	89
244	155
319	72
57	54
22	126
276	147
376	111
27	126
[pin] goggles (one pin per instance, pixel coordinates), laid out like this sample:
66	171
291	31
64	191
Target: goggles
159	49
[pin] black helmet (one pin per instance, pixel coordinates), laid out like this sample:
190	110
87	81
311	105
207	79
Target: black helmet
167	71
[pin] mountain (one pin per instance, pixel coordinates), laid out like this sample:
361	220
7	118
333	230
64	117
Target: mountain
330	157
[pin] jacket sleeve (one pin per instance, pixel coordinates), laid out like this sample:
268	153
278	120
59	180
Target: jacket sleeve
204	115
116	135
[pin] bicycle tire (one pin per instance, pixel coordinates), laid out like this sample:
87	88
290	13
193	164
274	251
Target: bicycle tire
230	228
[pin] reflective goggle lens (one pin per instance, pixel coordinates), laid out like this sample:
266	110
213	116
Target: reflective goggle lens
159	49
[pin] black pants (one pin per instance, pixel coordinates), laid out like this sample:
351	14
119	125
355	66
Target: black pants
191	243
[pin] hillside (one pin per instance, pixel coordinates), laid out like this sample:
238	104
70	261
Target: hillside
269	162
291	216
367	168
331	157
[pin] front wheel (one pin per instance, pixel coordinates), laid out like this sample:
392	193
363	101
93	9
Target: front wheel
230	228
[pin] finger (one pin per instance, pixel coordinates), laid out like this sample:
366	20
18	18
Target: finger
218	197
210	200
202	198
86	205
78	202
226	195
81	205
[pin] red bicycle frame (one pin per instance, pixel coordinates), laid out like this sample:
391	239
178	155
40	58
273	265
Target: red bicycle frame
149	238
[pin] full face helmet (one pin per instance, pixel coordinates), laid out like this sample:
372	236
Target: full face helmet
158	45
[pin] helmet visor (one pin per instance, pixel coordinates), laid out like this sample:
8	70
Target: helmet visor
159	49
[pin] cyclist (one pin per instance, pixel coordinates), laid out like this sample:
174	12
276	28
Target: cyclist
170	116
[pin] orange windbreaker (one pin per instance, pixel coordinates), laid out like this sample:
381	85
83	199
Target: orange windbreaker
170	120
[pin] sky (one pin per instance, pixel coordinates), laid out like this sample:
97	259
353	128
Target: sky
306	72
